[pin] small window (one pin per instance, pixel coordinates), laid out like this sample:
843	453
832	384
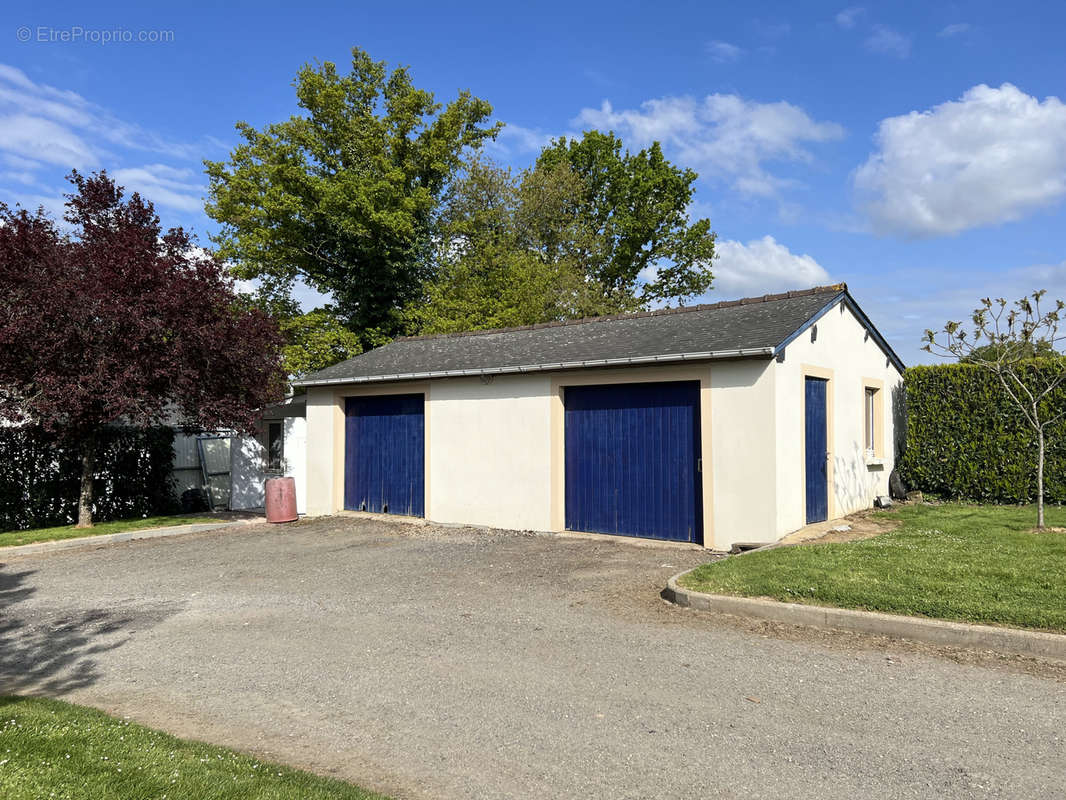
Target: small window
871	420
275	447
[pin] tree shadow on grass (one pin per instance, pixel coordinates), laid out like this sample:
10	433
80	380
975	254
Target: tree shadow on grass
53	653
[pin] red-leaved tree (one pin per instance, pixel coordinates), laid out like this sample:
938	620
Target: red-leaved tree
117	321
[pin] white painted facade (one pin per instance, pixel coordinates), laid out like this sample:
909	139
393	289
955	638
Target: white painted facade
494	444
490	451
248	465
248	462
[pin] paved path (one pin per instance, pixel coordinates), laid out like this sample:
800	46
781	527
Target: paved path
457	664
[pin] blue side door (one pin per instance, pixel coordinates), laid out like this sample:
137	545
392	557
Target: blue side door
384	454
633	460
816	449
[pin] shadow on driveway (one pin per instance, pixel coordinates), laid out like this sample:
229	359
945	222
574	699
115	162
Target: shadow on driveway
52	654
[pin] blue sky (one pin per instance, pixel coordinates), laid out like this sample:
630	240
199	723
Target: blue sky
916	151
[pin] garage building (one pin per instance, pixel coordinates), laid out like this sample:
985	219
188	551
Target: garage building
738	421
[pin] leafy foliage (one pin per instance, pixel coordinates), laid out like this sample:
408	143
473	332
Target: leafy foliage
506	254
541	246
1025	350
41	470
314	341
344	193
121	322
636	205
966	440
1002	339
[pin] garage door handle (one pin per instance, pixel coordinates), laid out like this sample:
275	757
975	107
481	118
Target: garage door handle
699	465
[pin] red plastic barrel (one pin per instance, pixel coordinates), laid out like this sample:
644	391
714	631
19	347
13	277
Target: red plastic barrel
281	500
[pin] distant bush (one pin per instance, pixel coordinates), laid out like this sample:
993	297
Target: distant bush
39	477
965	440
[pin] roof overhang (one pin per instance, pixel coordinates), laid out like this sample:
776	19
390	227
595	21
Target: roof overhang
851	305
753	352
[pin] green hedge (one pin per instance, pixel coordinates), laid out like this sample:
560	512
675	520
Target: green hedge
41	476
966	440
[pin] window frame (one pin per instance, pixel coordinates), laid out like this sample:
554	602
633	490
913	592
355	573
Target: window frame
873	419
269	463
870	420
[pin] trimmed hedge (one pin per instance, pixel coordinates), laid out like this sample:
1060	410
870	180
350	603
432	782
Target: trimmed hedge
41	477
966	440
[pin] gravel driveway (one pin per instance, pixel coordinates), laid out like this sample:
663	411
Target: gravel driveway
443	663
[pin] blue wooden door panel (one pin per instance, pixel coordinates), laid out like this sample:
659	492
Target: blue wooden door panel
384	454
816	450
632	460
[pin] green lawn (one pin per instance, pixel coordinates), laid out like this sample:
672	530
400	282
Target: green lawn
50	749
100	528
971	563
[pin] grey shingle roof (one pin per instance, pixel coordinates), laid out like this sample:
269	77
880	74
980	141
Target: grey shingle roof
753	327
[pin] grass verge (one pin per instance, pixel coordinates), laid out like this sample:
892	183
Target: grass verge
52	749
99	529
978	564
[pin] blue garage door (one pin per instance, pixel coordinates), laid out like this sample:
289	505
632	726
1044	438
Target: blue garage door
633	460
384	454
816	450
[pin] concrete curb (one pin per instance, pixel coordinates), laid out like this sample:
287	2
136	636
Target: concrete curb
955	634
116	538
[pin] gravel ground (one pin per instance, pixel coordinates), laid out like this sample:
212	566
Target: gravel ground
450	663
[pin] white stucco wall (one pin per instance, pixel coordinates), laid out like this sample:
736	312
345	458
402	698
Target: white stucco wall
247	456
494	448
490	451
296	458
743	448
842	347
248	460
323	431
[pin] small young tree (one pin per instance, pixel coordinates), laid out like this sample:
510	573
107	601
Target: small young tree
1004	339
116	321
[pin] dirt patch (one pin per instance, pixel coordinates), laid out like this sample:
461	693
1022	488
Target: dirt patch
861	525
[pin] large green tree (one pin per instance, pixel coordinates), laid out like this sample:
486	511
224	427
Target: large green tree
637	204
343	193
504	257
562	240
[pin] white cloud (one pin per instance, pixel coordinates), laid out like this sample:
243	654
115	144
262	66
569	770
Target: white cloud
724	52
18	162
165	186
44	129
849	16
762	266
886	41
954	29
35	138
28	178
723	133
54	204
992	156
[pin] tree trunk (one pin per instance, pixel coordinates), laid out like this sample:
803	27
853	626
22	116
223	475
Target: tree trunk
85	497
1040	478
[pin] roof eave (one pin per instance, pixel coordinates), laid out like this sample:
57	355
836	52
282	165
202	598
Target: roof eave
849	301
748	352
